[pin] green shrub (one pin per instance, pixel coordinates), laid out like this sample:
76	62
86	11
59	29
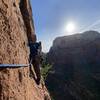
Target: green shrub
45	70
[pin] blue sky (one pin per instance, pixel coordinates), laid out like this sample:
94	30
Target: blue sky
51	16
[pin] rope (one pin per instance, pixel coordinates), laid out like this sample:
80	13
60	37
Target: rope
14	65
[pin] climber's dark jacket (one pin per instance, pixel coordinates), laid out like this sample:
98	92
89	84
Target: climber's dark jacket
35	58
34	49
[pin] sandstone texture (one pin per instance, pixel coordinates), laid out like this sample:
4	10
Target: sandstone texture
75	74
16	28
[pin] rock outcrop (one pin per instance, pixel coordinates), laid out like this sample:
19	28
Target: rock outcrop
16	28
75	74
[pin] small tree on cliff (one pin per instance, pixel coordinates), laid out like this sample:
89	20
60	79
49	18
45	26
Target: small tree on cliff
45	66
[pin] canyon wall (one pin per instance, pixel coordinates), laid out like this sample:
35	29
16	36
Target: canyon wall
75	74
16	29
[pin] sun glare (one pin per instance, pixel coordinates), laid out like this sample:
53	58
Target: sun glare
70	27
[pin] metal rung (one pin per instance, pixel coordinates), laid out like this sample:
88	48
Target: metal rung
13	65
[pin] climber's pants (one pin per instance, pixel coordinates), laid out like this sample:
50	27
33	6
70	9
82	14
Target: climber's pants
36	65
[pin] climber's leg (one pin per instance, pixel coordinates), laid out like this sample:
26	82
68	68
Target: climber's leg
31	74
37	71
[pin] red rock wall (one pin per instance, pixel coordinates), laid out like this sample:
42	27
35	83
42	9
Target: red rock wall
15	84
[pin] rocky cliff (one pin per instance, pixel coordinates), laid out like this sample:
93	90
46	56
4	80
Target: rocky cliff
75	74
16	28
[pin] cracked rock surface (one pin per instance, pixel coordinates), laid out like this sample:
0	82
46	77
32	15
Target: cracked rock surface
16	28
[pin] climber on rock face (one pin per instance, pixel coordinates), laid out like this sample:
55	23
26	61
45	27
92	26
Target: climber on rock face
35	58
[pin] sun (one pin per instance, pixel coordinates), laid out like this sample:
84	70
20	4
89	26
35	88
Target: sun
70	27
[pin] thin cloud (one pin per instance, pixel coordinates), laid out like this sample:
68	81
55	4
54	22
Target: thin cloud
91	26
